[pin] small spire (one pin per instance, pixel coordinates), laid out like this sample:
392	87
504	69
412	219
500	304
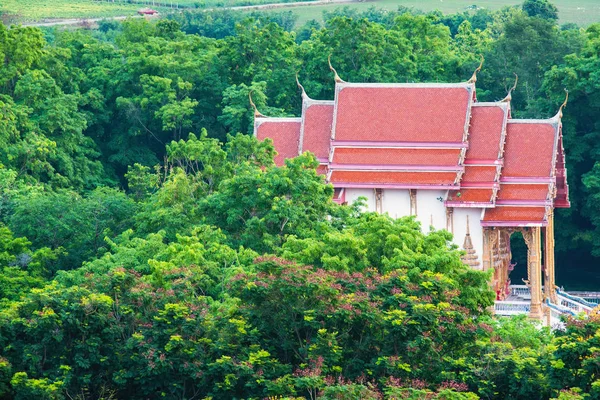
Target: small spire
563	105
304	95
508	97
336	76
257	114
470	258
474	76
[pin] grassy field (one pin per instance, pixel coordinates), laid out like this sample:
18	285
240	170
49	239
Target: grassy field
37	10
581	12
44	10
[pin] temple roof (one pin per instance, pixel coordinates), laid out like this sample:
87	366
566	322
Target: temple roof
528	175
514	216
386	112
431	136
285	133
317	118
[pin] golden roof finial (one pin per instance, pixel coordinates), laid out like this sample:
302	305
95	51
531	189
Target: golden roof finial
563	105
508	97
336	76
257	114
301	87
474	76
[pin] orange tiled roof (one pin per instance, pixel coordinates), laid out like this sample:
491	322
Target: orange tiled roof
515	214
479	174
381	156
363	177
523	192
404	113
485	133
316	134
471	195
285	133
529	149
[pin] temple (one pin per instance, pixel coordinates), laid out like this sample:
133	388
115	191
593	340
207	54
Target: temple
432	151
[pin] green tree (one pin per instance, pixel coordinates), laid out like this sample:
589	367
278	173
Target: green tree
540	8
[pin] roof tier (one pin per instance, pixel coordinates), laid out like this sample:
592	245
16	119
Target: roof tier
388	112
395	156
285	134
528	174
515	216
480	198
483	161
375	129
317	119
392	179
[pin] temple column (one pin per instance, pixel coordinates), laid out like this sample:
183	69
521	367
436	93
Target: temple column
379	201
486	256
533	238
450	219
413	201
549	278
490	244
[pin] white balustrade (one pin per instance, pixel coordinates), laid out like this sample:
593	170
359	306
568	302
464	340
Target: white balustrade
520	291
512	307
572	303
567	304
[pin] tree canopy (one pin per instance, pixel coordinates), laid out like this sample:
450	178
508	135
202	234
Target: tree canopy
149	247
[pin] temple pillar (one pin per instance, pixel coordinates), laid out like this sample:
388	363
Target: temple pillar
549	275
485	257
413	201
533	238
379	201
489	256
450	219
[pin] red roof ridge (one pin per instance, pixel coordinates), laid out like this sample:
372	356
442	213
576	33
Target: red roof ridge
260	120
375	144
407	85
490	104
396	167
549	121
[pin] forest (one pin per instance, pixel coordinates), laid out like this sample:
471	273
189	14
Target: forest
150	248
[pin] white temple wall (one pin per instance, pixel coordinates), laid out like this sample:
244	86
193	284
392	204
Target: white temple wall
460	228
430	209
354	194
396	202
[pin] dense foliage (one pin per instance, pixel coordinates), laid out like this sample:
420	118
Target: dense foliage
150	248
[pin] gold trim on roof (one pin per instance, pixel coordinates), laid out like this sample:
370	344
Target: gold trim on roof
336	76
508	97
300	86
473	78
257	114
563	105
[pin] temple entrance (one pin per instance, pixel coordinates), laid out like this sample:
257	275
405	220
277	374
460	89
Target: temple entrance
529	294
518	249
